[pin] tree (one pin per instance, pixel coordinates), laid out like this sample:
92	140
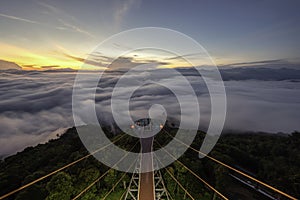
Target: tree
60	187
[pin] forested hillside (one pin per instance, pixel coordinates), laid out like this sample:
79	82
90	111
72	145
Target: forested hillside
272	158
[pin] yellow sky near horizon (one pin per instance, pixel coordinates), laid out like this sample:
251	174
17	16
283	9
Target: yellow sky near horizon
61	58
30	60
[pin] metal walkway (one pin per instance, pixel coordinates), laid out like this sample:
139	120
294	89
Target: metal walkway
149	184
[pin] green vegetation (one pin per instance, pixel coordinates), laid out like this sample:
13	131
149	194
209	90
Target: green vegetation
275	159
272	158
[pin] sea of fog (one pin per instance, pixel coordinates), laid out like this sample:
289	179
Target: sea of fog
35	106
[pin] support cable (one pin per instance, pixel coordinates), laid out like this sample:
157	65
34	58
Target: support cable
117	183
180	185
58	170
236	170
197	176
99	178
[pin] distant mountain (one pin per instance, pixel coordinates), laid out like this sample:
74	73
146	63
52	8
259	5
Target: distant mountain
248	73
6	65
61	70
263	74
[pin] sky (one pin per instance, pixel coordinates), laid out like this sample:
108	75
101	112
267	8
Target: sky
53	34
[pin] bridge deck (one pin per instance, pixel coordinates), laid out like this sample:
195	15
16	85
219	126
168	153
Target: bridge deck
146	183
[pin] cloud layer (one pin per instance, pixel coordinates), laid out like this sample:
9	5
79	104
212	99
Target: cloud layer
35	104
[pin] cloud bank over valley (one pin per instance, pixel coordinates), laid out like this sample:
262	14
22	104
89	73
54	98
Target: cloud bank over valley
35	106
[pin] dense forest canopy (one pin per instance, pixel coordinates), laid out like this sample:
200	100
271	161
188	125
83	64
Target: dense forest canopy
273	158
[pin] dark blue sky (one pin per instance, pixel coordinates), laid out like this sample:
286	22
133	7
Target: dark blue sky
231	31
